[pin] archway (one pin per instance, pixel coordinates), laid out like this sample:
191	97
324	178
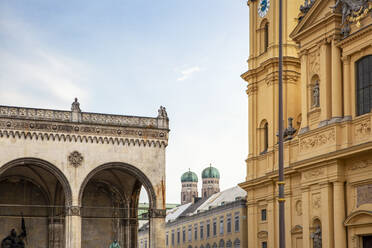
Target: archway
33	199
109	197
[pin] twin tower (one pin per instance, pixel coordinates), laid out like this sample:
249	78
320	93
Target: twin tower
189	180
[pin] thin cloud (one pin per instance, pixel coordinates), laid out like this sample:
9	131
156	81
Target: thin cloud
32	73
187	73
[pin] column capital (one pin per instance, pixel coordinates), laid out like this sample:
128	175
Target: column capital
346	59
73	211
157	213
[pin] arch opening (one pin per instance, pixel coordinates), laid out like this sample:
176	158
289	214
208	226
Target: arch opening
33	199
110	208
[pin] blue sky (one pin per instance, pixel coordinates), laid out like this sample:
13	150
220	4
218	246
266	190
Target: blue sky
130	57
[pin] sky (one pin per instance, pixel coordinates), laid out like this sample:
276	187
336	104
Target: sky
129	57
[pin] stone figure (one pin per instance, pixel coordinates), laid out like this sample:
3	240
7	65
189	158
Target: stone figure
316	236
316	95
13	240
350	6
162	113
115	244
75	106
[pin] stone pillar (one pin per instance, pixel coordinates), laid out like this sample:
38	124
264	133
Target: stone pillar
347	87
325	83
336	83
73	227
304	92
56	233
326	215
339	214
157	228
306	217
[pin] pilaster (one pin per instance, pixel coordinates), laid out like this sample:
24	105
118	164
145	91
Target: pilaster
73	227
304	83
347	87
306	217
326	214
336	82
339	214
325	82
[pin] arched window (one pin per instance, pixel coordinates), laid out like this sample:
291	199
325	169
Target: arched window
264	36
264	136
229	243
364	85
222	243
237	243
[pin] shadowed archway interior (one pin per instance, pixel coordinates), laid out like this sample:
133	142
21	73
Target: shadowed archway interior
32	202
109	201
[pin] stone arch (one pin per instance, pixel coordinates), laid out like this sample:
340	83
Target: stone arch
135	172
47	166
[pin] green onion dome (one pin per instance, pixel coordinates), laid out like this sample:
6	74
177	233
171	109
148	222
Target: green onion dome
189	176
210	172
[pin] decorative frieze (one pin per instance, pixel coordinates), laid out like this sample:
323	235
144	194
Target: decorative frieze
364	194
313	173
360	164
317	141
362	129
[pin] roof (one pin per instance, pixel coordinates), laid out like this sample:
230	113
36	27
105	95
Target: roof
210	172
189	176
173	213
223	197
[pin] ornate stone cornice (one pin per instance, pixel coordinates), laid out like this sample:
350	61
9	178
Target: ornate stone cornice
86	118
82	138
76	132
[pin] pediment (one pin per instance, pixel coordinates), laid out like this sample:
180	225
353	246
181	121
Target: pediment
361	217
296	229
319	12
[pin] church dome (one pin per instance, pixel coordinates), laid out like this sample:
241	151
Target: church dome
189	176
210	172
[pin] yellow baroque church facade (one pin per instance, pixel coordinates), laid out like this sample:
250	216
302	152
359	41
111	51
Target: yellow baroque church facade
327	90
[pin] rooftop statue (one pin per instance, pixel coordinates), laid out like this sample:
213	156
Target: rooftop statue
352	11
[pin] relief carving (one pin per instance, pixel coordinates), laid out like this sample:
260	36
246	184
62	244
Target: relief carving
316	202
362	129
364	194
299	207
314	62
360	164
75	159
314	173
262	235
317	141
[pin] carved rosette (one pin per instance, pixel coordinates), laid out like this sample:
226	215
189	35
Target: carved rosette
75	158
157	213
